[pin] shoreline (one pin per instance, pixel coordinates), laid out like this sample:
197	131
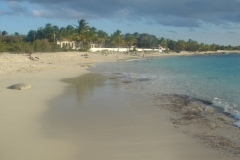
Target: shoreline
20	110
21	63
198	118
43	59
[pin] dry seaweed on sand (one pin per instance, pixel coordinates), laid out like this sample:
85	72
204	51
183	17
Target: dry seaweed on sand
219	142
201	120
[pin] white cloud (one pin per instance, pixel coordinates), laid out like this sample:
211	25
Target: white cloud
17	8
37	13
61	13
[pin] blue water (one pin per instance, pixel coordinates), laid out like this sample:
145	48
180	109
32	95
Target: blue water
214	78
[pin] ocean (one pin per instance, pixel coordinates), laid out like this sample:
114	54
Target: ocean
214	78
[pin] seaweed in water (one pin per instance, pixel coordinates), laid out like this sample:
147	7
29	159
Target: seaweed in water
143	79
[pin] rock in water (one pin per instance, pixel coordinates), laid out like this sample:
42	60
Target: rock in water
19	86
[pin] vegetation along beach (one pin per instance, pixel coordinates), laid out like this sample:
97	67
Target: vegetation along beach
76	92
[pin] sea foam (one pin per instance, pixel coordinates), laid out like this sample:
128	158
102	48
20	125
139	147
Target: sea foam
229	108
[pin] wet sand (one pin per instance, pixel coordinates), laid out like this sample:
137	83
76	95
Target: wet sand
105	122
90	117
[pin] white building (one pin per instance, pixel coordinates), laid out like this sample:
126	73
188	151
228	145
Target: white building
98	47
68	44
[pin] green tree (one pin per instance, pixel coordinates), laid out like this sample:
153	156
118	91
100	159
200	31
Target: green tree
69	32
152	41
102	37
117	39
55	33
203	47
229	47
4	33
82	30
40	33
61	33
130	40
31	36
49	32
192	45
142	40
146	40
136	35
213	47
163	42
92	35
181	45
171	45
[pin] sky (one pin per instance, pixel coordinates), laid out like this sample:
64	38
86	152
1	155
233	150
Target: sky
206	21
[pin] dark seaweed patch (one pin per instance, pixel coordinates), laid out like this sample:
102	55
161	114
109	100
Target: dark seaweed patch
143	79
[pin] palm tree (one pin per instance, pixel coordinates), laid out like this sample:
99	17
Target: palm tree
203	47
62	33
92	35
213	47
192	45
171	45
81	31
69	32
102	36
143	40
130	40
180	46
82	26
117	39
152	41
163	42
136	35
55	31
48	32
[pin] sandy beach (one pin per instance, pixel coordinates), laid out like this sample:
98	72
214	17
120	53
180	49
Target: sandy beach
35	125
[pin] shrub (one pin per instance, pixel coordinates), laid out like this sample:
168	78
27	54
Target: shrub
42	46
85	48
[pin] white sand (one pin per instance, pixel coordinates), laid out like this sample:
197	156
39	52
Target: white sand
21	135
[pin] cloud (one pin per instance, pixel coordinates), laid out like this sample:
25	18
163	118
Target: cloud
173	32
17	8
1	12
231	32
6	13
192	30
184	13
68	13
14	8
178	21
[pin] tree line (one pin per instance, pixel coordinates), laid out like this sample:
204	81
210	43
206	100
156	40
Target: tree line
44	40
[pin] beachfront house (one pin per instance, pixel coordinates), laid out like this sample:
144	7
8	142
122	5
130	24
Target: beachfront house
69	44
96	45
75	44
99	47
161	49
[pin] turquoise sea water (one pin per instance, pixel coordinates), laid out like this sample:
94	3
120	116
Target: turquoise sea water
214	78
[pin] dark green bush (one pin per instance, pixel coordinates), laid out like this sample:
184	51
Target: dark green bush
85	48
